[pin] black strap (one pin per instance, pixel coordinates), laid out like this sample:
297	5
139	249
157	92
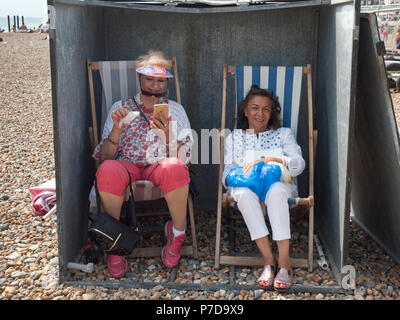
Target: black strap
141	111
131	214
98	201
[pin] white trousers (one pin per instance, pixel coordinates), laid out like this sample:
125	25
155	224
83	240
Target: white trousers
276	201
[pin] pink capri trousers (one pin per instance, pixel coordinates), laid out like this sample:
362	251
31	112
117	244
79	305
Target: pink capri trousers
168	174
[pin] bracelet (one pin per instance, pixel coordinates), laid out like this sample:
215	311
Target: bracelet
112	142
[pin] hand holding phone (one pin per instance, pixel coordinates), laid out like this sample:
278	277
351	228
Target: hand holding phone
160	115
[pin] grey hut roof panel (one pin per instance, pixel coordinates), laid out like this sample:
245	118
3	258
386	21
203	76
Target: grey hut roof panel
204	6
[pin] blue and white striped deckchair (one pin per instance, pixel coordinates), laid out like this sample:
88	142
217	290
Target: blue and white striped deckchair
119	81
285	83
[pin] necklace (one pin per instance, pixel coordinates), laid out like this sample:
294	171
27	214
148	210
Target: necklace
148	110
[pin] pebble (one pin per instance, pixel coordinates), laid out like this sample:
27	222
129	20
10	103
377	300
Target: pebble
13	256
18	274
156	296
369	284
360	291
319	296
88	296
158	288
258	293
10	290
54	261
29	246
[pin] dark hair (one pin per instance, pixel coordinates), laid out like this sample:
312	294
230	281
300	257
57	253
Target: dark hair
274	122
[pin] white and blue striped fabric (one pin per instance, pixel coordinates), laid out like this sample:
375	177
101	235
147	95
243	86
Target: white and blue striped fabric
119	81
285	83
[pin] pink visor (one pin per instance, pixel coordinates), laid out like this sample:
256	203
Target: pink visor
154	71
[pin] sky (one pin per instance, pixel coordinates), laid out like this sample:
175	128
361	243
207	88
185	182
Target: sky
26	8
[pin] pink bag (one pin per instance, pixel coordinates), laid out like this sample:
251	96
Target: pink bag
43	197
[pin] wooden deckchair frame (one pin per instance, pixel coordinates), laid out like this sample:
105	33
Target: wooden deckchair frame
225	201
94	139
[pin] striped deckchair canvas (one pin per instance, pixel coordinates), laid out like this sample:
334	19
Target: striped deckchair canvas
285	83
119	81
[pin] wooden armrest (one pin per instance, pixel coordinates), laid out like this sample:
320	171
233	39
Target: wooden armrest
306	201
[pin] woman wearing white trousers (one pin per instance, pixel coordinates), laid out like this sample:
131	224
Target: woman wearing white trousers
261	138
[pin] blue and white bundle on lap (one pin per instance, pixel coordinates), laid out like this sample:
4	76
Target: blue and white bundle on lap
259	179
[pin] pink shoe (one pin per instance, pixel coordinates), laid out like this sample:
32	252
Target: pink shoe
267	276
171	253
283	279
117	265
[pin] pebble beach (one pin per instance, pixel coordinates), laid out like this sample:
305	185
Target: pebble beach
29	245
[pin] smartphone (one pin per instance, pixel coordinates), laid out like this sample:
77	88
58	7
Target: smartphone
160	109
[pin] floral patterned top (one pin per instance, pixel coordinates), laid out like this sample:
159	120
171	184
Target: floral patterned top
139	144
281	141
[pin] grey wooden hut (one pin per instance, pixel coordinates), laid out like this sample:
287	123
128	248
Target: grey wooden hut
357	160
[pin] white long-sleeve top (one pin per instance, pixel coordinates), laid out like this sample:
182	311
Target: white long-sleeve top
239	144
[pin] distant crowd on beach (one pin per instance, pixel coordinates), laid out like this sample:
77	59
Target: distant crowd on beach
42	28
388	26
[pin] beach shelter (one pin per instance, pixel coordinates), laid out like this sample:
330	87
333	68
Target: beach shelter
355	167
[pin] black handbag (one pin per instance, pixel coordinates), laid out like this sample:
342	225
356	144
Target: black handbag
110	234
